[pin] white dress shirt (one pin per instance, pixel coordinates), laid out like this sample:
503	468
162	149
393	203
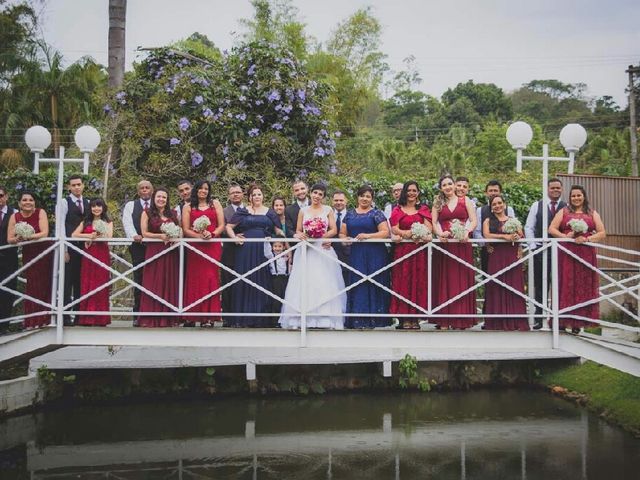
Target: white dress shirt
278	267
127	221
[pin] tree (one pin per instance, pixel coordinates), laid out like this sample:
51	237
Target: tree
117	39
485	98
17	25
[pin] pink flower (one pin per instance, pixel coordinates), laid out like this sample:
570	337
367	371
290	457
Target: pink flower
315	227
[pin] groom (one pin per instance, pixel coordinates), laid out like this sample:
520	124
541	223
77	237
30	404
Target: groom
301	200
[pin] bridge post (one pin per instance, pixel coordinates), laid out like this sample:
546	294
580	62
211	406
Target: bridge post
555	300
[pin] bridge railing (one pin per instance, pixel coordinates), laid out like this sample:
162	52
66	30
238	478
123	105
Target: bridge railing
622	295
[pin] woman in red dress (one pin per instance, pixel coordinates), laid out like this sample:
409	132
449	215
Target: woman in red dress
578	283
39	274
409	277
202	276
93	275
161	275
450	276
498	299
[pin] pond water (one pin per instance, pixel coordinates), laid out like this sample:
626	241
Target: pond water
488	434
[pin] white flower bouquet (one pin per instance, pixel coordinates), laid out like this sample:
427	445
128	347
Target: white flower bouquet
419	232
458	229
24	230
578	225
512	225
171	230
100	227
201	224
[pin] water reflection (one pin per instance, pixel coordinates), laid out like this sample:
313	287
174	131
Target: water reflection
477	435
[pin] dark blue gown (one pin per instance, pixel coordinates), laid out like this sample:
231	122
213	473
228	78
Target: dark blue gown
367	258
247	298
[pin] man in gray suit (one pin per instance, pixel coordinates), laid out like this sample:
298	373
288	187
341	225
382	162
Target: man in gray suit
301	200
236	198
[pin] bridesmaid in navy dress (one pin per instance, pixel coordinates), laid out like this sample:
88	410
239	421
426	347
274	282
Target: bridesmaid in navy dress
255	221
362	223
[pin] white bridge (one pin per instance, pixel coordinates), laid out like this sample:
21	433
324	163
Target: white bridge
121	346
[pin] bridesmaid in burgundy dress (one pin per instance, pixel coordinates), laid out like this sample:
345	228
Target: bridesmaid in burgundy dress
498	299
202	276
409	277
450	276
39	274
161	275
578	283
93	275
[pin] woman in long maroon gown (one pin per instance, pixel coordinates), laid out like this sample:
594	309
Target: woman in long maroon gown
409	277
450	276
38	275
498	299
577	282
92	274
161	275
201	275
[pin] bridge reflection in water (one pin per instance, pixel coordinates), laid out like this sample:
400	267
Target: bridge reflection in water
504	434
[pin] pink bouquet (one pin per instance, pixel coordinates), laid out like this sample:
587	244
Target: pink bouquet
315	227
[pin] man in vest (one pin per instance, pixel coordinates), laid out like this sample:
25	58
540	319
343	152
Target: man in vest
73	210
8	259
131	222
184	192
342	250
236	200
533	229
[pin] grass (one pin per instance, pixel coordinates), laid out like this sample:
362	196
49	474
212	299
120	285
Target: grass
613	394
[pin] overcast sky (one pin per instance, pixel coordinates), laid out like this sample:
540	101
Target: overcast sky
506	42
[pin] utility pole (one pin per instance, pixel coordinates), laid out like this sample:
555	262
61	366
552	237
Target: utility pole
633	129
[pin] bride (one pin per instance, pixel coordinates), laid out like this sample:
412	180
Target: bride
321	276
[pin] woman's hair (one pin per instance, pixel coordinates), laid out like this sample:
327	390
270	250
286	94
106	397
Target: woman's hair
320	187
194	192
404	195
168	212
440	199
276	198
30	193
252	188
585	207
364	189
88	215
494	223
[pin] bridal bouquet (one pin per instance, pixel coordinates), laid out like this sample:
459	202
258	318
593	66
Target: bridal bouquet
24	230
100	227
419	232
512	225
201	224
458	229
171	230
578	225
315	227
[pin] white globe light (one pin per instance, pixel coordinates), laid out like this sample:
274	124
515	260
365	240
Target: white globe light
519	134
38	139
572	137
87	139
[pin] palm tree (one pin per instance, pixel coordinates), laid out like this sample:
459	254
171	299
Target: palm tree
117	37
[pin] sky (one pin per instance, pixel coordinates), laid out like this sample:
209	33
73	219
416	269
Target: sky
505	42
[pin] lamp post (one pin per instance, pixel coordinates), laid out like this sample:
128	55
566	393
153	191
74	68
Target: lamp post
572	137
38	140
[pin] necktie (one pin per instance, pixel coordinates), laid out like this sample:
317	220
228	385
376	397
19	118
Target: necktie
339	221
79	204
1	216
553	209
146	205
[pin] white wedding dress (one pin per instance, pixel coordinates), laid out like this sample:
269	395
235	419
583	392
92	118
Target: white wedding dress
322	279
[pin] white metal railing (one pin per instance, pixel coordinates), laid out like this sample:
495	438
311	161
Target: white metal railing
121	283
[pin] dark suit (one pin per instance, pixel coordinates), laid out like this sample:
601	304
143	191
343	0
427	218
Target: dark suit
8	265
291	218
228	259
342	251
537	259
74	217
